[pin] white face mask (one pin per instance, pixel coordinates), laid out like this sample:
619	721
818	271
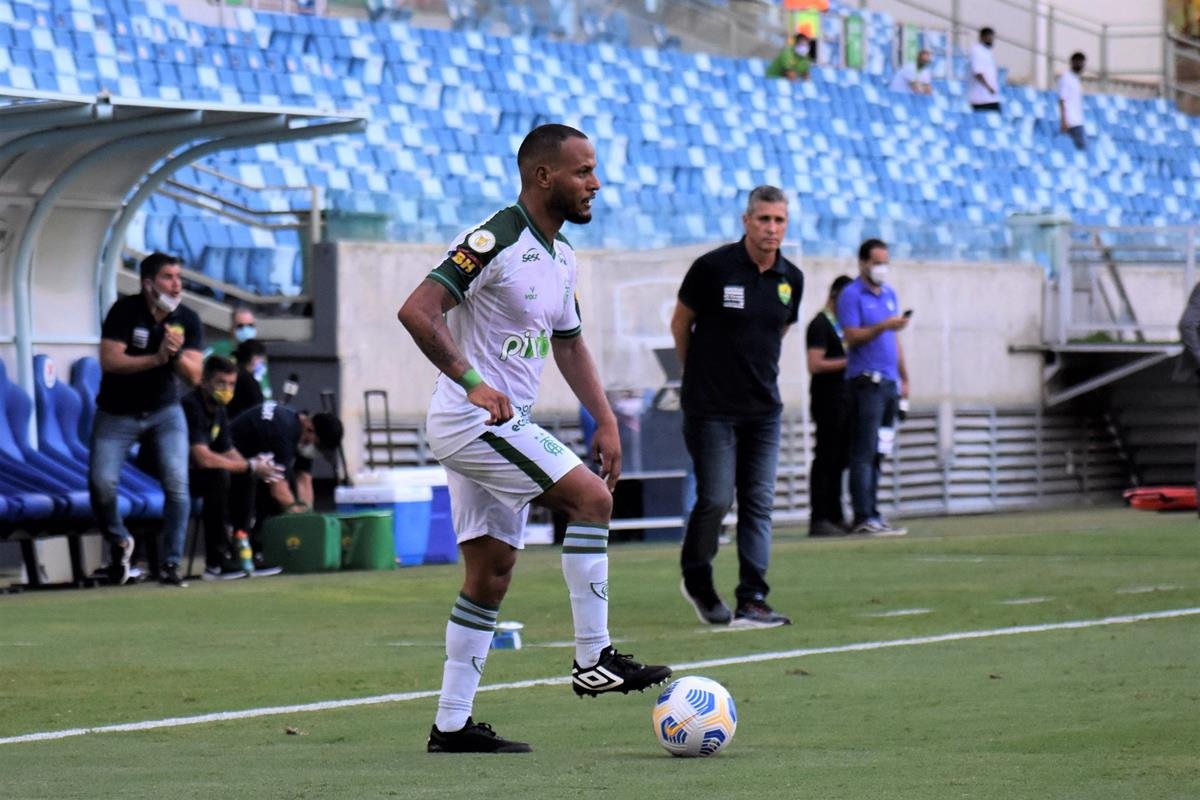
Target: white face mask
166	302
879	274
309	450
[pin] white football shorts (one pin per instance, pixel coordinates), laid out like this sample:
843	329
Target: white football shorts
495	476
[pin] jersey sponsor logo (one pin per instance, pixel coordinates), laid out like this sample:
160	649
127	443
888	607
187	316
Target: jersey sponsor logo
785	293
531	255
141	337
481	241
531	294
735	297
525	345
466	261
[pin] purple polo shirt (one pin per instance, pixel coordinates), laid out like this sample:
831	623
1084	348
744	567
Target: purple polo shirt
859	307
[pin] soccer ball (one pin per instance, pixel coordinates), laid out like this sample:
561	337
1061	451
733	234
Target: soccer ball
694	716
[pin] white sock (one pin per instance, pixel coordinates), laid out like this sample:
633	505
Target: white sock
585	567
468	639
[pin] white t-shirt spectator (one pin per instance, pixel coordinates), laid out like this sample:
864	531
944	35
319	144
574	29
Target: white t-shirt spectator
1070	91
908	75
983	63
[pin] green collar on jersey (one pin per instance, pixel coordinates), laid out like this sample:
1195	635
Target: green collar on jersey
534	229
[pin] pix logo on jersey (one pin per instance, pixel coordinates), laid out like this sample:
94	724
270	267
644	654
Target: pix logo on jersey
526	345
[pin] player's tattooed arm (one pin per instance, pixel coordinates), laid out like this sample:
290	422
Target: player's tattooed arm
423	315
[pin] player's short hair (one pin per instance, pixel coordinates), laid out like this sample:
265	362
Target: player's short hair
218	365
864	250
153	264
1077	56
986	32
838	284
764	194
543	142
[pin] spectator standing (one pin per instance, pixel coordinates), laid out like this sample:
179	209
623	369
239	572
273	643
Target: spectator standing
213	459
830	413
868	311
1070	101
793	62
984	92
734	307
915	78
146	341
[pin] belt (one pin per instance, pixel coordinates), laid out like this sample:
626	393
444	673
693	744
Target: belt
875	377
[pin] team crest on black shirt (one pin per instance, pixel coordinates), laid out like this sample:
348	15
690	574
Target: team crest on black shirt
785	293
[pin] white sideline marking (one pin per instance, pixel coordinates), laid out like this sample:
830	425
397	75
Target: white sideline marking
1147	589
327	705
1025	601
951	559
901	612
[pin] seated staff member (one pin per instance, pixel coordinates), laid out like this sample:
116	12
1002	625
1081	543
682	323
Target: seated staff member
213	459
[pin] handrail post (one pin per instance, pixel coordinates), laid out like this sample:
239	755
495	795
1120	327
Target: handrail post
1189	269
955	24
1050	46
1035	13
1066	289
1104	56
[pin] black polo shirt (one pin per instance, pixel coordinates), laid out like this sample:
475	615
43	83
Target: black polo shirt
732	368
131	322
824	335
270	428
207	422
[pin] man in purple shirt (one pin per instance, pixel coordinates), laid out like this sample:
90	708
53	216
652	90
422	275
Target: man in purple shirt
870	316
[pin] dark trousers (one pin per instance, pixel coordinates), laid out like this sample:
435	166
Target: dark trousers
1078	137
831	414
212	487
731	457
987	107
872	406
250	503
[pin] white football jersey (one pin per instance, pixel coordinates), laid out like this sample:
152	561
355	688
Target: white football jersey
515	292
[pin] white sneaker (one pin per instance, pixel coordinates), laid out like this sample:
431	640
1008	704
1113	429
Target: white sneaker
881	527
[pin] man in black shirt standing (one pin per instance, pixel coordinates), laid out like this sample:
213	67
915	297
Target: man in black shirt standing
829	409
213	459
146	341
735	305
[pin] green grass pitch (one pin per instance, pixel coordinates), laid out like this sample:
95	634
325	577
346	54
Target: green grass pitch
1103	712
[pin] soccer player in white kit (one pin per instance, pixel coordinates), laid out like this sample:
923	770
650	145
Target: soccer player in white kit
487	317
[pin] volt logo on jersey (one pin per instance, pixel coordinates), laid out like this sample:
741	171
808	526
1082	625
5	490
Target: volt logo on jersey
525	345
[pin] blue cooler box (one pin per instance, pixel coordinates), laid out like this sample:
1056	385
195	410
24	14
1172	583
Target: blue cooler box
411	506
443	544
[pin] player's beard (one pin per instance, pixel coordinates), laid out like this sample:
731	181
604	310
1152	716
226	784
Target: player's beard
568	208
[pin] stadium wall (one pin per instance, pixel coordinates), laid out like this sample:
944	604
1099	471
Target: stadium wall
965	318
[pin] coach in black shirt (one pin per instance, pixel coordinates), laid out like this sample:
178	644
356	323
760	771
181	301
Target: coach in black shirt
146	342
830	413
735	305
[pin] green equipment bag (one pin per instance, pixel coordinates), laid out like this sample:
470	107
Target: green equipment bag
303	542
367	540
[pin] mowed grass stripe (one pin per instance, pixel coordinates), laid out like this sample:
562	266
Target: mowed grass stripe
225	716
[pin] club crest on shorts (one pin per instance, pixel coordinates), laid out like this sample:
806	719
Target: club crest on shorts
600	589
482	241
785	293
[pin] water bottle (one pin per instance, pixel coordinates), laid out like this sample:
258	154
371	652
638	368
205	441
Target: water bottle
245	554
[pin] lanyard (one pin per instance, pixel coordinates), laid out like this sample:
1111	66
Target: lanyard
837	327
